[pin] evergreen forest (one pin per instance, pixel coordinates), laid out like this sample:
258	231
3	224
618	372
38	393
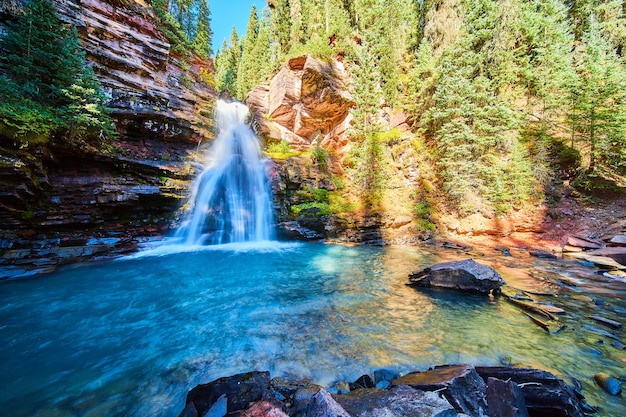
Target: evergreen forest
504	95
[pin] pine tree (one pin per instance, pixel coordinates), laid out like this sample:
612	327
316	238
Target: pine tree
46	86
245	71
296	35
366	94
280	24
227	64
204	35
598	112
482	164
262	55
545	59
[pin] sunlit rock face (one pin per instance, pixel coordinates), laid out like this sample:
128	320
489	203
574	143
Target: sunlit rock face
54	198
306	104
153	92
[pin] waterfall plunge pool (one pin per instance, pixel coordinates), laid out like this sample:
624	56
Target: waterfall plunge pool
130	337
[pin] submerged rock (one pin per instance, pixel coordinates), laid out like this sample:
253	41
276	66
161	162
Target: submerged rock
467	275
608	383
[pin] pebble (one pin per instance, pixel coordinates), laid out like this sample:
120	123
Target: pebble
611	385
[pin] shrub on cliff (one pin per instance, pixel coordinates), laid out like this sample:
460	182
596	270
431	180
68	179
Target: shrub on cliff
46	89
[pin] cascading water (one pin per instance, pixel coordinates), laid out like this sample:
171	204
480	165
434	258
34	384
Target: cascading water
231	199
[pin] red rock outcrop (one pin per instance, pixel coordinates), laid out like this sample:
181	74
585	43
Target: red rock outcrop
306	104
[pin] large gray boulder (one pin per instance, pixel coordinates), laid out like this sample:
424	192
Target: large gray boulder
467	275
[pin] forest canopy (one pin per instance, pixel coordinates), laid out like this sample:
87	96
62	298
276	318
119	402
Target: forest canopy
501	92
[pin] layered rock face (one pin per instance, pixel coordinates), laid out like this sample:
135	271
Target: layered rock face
154	92
60	205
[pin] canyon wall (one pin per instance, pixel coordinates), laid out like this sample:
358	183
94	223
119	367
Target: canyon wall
59	205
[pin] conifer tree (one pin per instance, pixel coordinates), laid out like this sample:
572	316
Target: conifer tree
204	35
545	62
246	79
280	25
598	113
261	55
227	64
46	85
473	128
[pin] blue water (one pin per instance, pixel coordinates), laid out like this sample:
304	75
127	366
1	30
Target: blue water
130	337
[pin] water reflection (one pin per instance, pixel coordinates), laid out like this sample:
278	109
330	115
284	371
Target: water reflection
131	337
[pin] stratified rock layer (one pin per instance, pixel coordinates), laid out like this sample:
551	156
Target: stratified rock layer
61	205
154	92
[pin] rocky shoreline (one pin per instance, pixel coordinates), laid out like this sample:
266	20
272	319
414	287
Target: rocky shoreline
443	391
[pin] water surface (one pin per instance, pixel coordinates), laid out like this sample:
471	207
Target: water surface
132	336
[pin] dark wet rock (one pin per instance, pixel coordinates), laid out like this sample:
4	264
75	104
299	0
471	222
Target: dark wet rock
398	401
608	383
302	400
445	391
294	230
240	390
542	254
467	275
505	399
286	387
460	384
324	405
544	394
365	381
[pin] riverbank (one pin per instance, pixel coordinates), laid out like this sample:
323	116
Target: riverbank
443	391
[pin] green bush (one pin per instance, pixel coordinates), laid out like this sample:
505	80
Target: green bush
312	209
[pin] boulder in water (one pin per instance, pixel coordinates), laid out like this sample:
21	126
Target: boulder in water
467	275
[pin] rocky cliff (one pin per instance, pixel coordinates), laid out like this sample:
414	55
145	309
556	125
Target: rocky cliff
58	205
318	189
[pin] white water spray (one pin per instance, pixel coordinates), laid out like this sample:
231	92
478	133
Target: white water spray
231	199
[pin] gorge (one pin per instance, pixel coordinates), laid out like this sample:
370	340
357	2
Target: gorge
296	249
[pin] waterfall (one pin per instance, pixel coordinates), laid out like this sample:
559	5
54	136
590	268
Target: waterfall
231	199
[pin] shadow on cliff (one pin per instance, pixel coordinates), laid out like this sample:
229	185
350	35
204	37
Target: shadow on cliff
372	182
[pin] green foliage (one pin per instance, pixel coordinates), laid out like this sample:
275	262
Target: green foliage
598	97
227	65
320	157
203	36
47	89
280	150
312	209
314	202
